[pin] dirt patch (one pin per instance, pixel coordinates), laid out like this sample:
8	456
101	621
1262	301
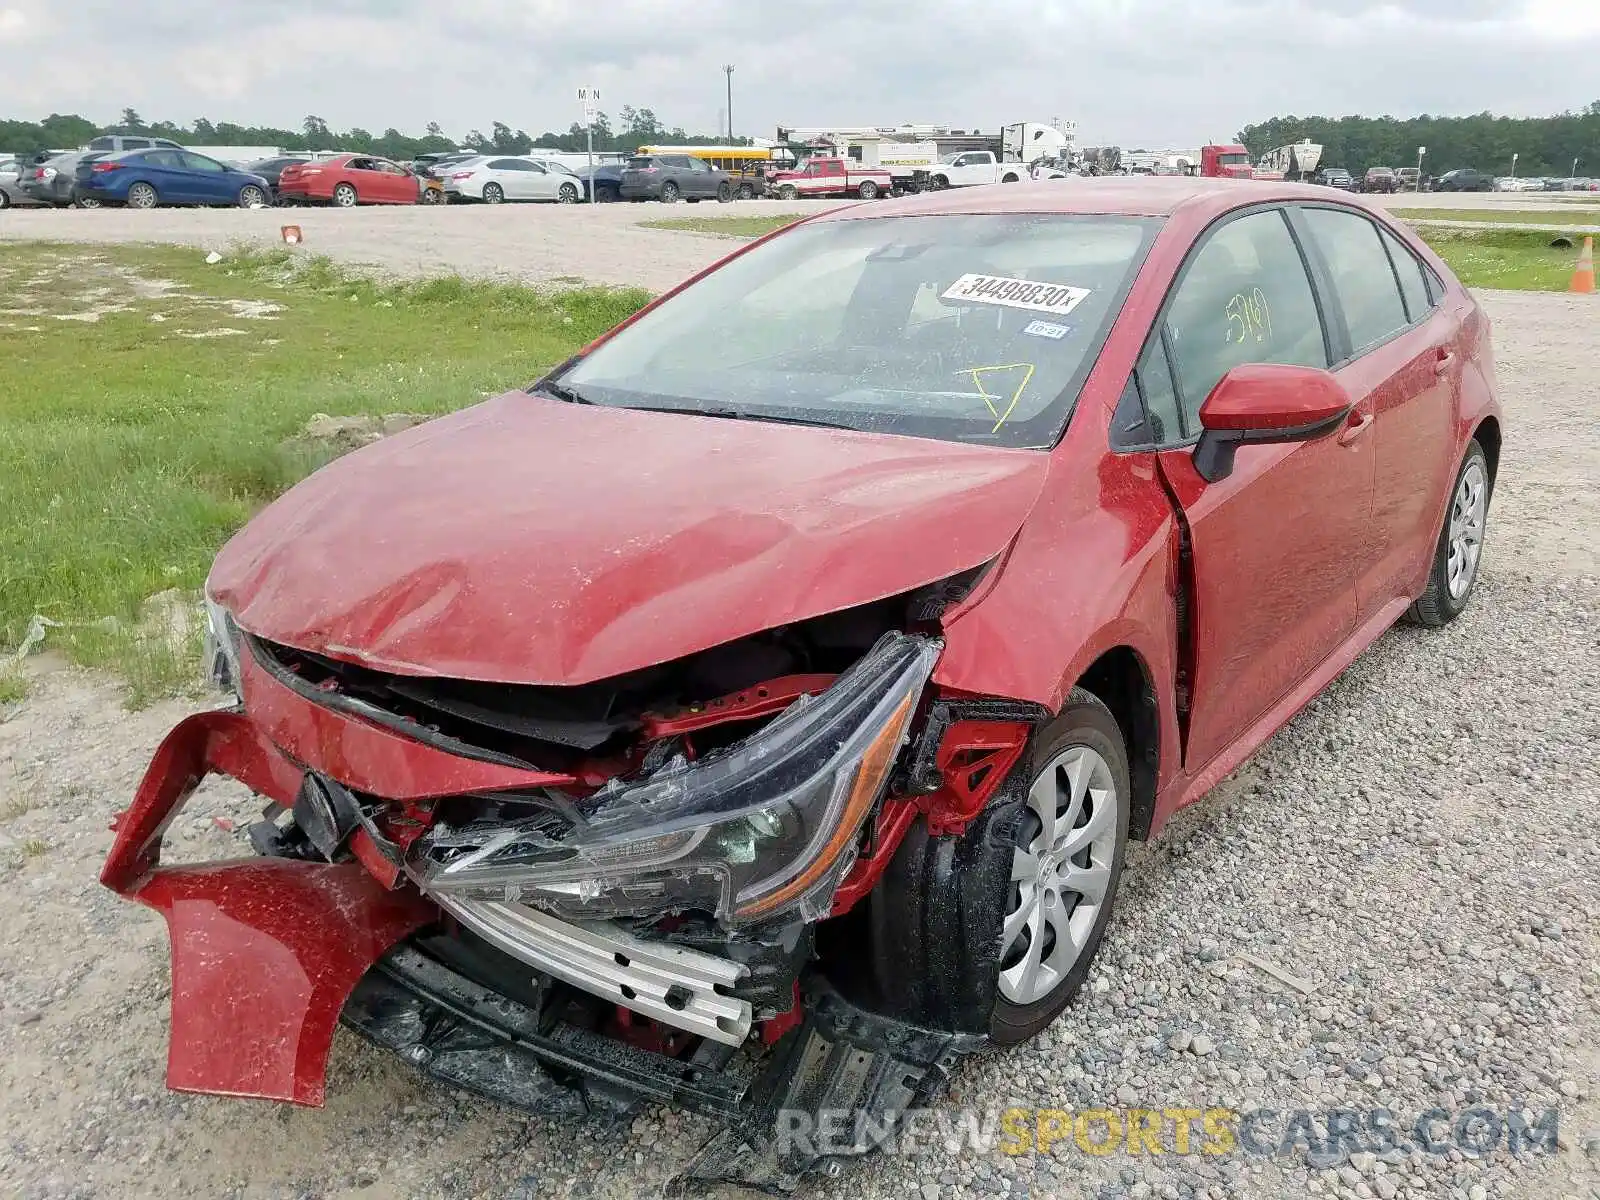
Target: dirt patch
344	434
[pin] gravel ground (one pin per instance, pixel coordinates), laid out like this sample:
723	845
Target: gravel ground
1417	847
533	243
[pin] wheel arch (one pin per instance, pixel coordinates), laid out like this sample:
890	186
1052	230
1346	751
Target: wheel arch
1120	679
1487	435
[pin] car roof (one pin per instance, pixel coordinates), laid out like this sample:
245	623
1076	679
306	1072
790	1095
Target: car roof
1141	196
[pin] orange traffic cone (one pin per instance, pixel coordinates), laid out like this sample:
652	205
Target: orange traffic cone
1583	277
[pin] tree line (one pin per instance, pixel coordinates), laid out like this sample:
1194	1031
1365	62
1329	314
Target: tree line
1543	145
636	127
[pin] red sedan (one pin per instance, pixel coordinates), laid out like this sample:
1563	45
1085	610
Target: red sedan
348	180
794	666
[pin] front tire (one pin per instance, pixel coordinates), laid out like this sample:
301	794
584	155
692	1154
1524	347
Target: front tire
568	193
746	192
725	193
344	196
1454	571
1067	859
142	195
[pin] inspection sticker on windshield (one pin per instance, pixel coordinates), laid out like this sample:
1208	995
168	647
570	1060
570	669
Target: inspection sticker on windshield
1057	298
1046	329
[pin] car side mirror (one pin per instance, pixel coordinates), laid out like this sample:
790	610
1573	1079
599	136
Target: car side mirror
1258	403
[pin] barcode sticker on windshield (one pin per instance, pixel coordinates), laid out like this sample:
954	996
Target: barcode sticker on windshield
1058	298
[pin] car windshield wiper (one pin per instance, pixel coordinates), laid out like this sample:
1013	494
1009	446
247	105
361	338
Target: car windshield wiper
739	414
560	391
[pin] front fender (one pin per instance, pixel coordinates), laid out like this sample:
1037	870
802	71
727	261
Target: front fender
1093	568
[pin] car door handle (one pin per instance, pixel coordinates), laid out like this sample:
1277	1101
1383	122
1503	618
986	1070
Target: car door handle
1443	362
1354	427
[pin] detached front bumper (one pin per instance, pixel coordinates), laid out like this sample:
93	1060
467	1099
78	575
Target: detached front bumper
268	954
264	951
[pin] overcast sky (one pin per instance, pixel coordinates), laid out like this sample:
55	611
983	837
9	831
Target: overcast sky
1134	72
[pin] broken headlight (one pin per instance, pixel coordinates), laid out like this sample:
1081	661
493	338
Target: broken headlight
221	648
768	825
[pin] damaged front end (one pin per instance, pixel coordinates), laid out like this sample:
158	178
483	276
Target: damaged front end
573	899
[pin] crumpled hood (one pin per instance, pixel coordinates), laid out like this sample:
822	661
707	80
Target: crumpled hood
531	541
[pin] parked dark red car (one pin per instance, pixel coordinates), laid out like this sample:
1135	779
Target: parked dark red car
793	666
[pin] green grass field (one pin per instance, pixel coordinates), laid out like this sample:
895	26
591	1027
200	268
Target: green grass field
163	398
733	227
1518	259
1588	214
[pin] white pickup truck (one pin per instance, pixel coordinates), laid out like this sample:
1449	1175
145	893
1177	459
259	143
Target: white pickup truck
972	167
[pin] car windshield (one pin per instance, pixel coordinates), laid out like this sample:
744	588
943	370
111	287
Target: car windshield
973	328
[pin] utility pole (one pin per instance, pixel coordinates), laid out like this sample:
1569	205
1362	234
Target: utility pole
727	69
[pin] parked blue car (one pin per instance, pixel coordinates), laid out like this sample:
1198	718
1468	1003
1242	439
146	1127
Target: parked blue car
147	178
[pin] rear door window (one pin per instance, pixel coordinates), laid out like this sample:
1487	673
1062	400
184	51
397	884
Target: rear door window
1244	297
1363	279
1413	284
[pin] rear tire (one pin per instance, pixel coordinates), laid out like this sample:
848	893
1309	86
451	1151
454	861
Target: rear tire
1453	574
493	193
250	196
868	190
669	193
344	196
142	195
788	192
86	202
937	183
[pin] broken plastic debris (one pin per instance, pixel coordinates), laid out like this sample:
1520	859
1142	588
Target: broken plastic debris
32	638
213	258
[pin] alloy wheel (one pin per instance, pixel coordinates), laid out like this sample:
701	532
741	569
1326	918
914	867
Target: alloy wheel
1060	873
1468	509
141	195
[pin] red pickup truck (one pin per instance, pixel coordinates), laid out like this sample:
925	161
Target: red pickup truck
831	177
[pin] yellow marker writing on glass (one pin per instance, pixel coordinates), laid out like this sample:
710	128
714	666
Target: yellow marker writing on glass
993	401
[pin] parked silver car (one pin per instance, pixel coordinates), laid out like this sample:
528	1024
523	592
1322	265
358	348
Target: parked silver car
54	181
497	178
